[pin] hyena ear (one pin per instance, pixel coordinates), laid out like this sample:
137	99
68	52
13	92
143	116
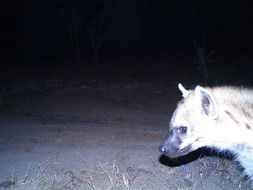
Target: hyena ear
183	90
207	103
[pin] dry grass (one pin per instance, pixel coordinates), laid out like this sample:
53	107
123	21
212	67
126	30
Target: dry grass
106	176
208	172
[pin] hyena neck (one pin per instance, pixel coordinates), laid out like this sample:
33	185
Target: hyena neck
235	121
234	126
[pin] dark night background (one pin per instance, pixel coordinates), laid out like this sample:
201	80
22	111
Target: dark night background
95	82
201	41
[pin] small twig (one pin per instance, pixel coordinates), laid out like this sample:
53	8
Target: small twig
126	181
73	176
84	161
43	167
27	174
52	186
12	178
91	183
71	181
67	184
155	163
42	185
104	172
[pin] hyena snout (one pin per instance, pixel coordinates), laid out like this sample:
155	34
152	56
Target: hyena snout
169	150
171	147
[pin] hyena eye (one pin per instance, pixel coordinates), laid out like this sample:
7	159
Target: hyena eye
182	130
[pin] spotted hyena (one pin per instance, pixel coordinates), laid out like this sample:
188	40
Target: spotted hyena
219	118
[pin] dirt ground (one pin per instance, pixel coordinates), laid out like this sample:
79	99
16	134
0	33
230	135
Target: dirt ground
101	137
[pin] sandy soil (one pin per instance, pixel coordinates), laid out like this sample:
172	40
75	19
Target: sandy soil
81	138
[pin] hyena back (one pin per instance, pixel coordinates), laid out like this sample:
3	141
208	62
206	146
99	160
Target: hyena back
220	118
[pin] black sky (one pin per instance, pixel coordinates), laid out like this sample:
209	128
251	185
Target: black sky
64	29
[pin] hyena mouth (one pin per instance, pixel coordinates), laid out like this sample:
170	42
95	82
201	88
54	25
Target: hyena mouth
173	152
185	150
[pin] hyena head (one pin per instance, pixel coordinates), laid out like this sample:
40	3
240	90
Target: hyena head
190	123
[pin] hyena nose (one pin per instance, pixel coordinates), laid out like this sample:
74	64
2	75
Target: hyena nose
163	149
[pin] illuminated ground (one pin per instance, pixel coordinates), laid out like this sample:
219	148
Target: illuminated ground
99	137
